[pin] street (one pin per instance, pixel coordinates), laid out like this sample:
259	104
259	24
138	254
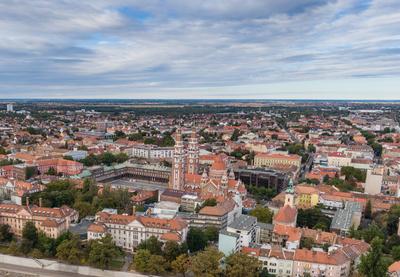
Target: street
14	270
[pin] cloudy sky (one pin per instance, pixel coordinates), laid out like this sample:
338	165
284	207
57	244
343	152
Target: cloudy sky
321	49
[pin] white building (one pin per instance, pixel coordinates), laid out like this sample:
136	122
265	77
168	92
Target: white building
148	151
128	231
373	181
245	227
10	108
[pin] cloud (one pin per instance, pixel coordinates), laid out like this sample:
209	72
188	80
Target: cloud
161	47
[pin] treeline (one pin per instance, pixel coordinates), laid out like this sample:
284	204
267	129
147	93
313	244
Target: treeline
66	248
155	257
106	158
86	200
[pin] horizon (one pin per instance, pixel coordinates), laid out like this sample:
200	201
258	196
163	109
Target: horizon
261	49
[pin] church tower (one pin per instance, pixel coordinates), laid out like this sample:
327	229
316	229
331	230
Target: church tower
193	153
178	165
289	194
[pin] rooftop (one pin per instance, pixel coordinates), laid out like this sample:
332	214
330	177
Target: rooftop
243	222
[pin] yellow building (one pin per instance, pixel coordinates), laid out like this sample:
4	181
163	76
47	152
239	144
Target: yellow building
273	159
306	196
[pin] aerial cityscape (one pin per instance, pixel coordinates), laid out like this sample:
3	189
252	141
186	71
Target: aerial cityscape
202	138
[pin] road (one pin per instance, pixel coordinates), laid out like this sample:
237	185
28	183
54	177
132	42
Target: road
15	270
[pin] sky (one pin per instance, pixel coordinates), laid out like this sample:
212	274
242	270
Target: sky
265	49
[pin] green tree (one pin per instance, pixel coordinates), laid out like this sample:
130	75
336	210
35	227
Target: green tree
152	244
368	210
313	217
306	243
51	171
396	252
181	264
145	262
393	220
29	237
103	252
5	233
46	245
211	233
373	264
172	250
207	263
70	251
196	239
30	172
372	232
263	214
242	265
325	179
235	135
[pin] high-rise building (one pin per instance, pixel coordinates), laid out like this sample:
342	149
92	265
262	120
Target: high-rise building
193	153
10	108
178	165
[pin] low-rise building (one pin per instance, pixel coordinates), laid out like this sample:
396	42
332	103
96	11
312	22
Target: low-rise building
345	218
52	221
273	159
129	230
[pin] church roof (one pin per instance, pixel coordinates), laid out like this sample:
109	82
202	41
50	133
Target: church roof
286	214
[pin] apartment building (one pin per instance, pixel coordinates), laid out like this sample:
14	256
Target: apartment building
148	151
281	262
243	229
276	159
62	166
277	260
129	230
52	221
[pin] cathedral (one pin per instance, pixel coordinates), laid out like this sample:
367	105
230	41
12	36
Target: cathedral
218	182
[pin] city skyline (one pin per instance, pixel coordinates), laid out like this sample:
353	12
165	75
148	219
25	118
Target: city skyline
200	50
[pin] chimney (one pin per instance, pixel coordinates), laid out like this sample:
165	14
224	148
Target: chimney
40	202
27	201
133	210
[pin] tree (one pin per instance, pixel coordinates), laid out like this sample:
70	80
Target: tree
30	172
263	214
368	210
372	232
396	252
235	135
172	250
70	251
242	265
393	220
311	148
207	262
103	252
29	234
181	264
196	239
373	264
51	171
152	244
145	262
209	202
46	245
5	233
313	218
306	243
211	233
